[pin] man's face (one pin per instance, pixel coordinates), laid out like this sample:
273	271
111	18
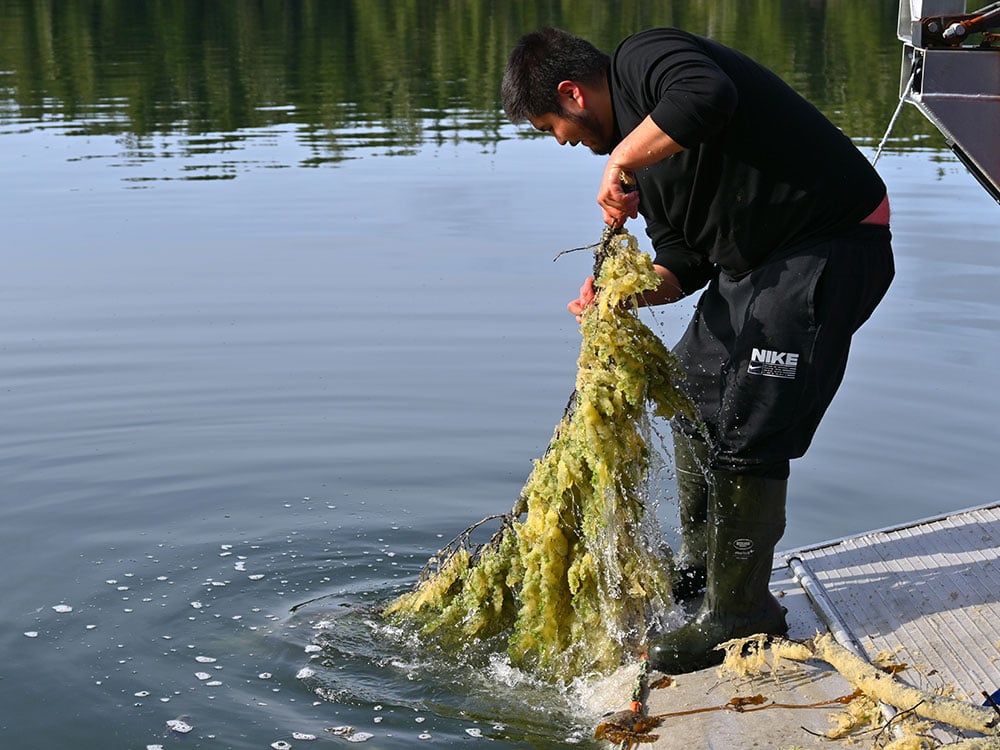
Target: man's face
581	126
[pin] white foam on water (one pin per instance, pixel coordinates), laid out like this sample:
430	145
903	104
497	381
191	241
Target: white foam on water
179	726
62	608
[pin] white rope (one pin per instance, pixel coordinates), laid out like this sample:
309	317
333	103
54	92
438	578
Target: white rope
895	115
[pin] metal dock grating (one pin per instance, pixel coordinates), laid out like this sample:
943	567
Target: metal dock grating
928	592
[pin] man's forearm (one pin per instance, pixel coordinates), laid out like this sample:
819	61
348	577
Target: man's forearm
669	289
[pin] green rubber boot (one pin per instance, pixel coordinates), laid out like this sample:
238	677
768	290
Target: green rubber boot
746	520
690	567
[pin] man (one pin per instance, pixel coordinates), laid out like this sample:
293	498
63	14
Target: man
744	187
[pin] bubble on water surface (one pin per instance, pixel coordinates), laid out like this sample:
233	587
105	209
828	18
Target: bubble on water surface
359	737
31	633
281	745
196	605
305	673
202	675
304	736
474	732
62	608
205	659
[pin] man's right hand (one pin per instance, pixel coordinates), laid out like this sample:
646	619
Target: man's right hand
584	301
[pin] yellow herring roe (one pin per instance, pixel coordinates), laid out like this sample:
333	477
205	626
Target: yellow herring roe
570	589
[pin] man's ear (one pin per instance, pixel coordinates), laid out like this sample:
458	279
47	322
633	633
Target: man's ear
571	90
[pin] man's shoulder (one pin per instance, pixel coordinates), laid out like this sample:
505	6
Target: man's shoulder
659	35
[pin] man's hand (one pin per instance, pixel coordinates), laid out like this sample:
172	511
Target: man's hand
645	145
618	197
584	301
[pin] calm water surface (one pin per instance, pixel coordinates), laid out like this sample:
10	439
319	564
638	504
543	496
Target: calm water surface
276	327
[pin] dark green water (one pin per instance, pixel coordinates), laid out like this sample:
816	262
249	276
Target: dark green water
279	317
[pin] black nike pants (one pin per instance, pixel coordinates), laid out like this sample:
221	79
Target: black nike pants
765	352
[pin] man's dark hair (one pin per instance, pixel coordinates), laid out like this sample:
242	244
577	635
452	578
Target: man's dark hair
539	63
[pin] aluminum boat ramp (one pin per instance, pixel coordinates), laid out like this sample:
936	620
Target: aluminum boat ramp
927	592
